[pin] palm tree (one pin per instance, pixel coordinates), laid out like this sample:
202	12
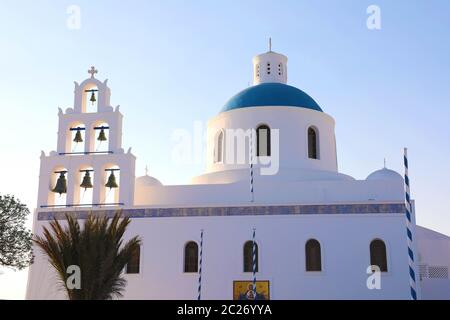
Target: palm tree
98	250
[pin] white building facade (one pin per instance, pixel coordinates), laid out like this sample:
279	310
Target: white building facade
272	170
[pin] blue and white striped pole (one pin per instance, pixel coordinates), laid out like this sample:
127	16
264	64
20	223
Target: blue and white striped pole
200	267
254	262
251	166
412	274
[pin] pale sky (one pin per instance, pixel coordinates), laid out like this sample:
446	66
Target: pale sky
172	63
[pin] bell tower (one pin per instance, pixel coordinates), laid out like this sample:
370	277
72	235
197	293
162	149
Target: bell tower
89	167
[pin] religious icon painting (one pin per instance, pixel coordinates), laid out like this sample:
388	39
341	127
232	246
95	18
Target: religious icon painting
243	290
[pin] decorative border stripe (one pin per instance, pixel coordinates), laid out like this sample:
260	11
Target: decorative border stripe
234	211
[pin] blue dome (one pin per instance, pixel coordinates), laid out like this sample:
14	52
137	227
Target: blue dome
271	94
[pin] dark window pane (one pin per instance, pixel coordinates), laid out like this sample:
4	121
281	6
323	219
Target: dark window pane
248	256
312	144
133	265
191	257
313	256
378	255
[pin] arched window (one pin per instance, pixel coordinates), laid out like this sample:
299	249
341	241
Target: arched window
312	144
313	255
219	147
378	255
263	141
191	257
134	263
248	256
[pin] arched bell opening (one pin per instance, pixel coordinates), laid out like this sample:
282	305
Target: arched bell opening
111	189
57	194
76	138
100	137
90	98
84	186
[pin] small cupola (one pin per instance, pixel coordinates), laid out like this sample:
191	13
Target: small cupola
385	174
270	67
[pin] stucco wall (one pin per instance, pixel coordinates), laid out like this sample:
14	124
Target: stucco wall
344	240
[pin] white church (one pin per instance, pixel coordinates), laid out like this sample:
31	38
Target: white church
271	208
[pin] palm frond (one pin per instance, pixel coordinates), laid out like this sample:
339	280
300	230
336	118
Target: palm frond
98	249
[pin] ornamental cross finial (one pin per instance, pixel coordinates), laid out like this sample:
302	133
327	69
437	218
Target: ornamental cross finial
146	170
385	163
270	44
92	71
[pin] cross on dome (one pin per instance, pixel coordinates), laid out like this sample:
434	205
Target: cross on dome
92	71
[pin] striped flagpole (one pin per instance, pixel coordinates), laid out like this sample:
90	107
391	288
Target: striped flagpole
200	267
254	262
412	275
251	166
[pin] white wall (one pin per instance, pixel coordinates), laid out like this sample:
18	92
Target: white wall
434	251
344	239
293	124
287	192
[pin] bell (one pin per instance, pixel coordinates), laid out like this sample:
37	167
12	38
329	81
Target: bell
78	137
61	184
101	135
111	181
92	97
87	183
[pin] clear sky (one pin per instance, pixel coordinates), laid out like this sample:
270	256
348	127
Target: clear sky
172	63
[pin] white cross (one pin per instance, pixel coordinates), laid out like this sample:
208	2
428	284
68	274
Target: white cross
92	71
